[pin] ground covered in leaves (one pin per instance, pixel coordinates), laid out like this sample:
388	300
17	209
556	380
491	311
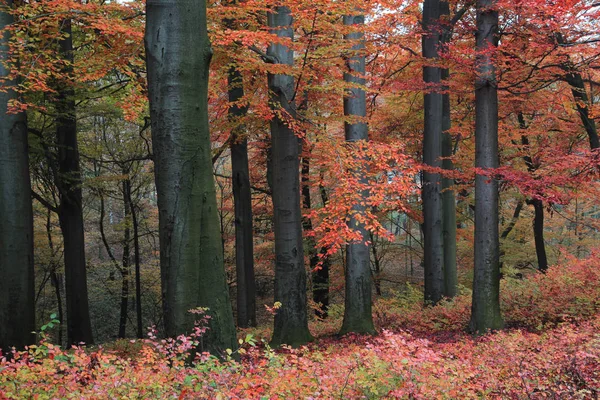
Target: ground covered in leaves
551	349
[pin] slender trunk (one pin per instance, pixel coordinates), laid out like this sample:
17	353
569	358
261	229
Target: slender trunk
538	234
136	258
17	291
242	199
56	282
575	80
320	273
70	210
291	320
433	235
55	279
126	259
448	196
377	263
191	254
485	311
358	316
538	205
113	259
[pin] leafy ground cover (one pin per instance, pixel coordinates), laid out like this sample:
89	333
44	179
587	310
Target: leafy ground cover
551	349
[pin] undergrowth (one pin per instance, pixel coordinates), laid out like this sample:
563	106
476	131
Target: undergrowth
552	351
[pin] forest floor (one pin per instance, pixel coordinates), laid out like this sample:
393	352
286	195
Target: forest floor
550	349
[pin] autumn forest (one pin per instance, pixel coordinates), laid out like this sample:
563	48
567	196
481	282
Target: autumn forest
279	199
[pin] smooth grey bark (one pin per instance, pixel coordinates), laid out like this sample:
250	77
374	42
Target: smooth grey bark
358	316
433	234
191	255
17	292
242	200
70	209
485	309
291	320
448	195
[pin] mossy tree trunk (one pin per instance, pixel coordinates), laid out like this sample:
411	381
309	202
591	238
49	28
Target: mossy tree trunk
448	195
242	200
70	209
17	294
291	320
433	257
191	254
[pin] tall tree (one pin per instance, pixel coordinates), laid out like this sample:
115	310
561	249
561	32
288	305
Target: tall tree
358	316
17	293
485	309
242	199
70	209
291	320
191	254
433	260
448	196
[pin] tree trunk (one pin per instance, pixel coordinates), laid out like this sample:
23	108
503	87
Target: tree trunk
448	197
56	279
191	255
242	199
538	234
575	80
70	209
377	264
136	258
319	274
126	258
485	311
358	316
538	205
291	321
433	234
17	292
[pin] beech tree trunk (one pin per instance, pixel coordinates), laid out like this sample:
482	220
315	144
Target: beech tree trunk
242	199
191	254
291	321
358	316
433	234
70	209
17	292
448	196
485	310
